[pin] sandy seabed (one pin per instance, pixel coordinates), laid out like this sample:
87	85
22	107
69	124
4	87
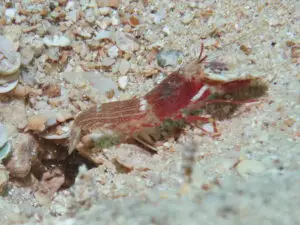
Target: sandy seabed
248	175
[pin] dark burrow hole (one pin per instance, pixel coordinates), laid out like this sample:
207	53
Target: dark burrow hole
55	157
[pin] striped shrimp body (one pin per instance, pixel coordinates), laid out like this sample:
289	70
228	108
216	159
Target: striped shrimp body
184	97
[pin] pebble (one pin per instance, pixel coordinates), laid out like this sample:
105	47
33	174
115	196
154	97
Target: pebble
4	177
124	67
108	61
187	18
19	164
166	30
126	42
123	81
250	167
169	58
113	52
27	54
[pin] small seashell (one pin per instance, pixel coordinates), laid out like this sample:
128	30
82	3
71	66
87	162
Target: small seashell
10	59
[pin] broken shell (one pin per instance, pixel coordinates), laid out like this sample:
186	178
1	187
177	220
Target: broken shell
4	88
10	59
3	135
4	177
5	151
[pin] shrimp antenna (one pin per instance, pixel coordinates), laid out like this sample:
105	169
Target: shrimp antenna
201	59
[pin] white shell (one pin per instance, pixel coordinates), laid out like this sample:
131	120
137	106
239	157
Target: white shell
10	59
52	134
8	87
